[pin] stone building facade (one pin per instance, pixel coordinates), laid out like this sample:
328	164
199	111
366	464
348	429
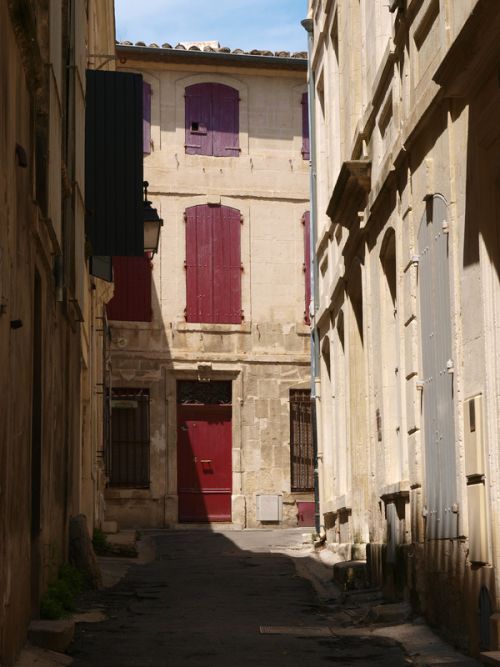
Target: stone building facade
218	359
51	308
406	208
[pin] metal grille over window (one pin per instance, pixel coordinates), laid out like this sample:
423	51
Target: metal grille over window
130	438
204	393
301	445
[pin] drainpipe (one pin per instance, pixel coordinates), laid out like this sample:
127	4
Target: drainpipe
308	26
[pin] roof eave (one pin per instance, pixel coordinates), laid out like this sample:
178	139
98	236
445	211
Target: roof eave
158	54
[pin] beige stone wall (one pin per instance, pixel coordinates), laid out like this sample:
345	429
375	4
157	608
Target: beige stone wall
41	233
269	352
424	121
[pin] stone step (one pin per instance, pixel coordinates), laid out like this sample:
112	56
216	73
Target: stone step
351	575
52	635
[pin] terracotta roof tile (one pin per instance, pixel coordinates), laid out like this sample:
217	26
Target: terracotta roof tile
203	46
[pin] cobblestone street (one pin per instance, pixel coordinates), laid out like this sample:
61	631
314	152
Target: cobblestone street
220	599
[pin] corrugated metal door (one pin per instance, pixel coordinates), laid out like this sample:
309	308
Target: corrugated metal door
213	264
438	411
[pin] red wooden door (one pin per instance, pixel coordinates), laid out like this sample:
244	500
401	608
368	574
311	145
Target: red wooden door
204	470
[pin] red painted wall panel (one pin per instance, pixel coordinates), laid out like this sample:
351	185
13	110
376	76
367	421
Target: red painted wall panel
132	299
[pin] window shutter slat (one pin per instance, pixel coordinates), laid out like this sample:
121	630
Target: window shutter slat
306	154
146	118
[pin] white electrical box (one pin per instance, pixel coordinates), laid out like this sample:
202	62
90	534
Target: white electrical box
473	436
269	507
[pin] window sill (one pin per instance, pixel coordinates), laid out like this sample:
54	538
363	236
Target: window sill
246	327
392	491
125	492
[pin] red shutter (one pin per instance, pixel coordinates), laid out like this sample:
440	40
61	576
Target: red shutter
305	128
225	120
213	265
132	299
199	286
227	265
198	119
146	118
306	220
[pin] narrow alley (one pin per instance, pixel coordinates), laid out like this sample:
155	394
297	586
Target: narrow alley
245	598
211	598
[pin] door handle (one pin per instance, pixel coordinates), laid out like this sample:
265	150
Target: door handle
205	460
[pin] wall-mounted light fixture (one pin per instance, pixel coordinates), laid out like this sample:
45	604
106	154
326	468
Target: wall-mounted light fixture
152	224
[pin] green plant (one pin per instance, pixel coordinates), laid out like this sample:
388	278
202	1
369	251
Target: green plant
100	542
50	609
59	599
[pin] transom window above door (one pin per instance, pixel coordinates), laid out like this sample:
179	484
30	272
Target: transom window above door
212	120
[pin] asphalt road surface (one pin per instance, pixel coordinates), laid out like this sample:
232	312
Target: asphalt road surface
219	599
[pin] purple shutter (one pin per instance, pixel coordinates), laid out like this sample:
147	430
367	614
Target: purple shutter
213	265
132	298
146	118
306	155
198	98
225	120
306	220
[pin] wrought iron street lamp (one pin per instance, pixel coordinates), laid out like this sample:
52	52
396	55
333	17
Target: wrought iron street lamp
152	224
